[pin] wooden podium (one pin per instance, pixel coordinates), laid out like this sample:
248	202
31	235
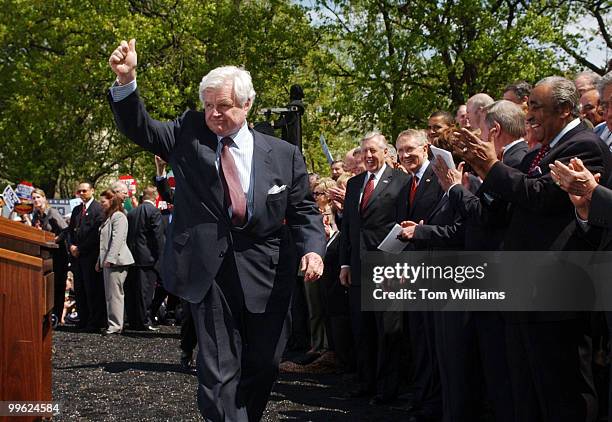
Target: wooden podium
26	301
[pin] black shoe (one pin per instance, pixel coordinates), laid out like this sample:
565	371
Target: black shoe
380	400
186	361
144	328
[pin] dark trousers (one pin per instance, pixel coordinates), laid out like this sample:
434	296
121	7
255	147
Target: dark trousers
609	320
378	343
139	289
427	389
89	292
547	382
470	346
239	352
189	340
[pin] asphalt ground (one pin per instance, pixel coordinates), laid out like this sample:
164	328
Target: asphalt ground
136	376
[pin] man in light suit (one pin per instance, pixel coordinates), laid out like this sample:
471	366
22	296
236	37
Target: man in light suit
242	211
375	200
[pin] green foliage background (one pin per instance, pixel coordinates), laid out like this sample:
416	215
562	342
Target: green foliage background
363	65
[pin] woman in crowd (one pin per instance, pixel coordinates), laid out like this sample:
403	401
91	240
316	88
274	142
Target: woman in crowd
49	219
114	259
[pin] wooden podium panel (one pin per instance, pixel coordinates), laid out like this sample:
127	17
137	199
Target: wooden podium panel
26	301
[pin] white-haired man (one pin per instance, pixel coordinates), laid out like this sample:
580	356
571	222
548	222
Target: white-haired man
228	248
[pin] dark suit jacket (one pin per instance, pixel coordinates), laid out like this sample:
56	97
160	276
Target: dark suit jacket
540	210
513	157
363	231
427	196
145	235
83	231
201	232
486	221
599	235
440	229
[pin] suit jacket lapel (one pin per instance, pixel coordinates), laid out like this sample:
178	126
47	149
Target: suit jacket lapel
422	191
260	169
385	180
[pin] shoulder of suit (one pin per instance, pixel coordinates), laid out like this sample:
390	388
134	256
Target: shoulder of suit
275	143
400	175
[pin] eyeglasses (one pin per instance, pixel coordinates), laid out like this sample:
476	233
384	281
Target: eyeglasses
82	190
318	193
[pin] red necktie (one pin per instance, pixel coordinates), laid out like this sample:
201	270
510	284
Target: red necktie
234	195
367	192
413	189
83	211
538	158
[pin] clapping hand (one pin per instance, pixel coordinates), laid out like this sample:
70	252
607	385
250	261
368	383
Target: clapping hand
577	181
123	61
447	177
479	154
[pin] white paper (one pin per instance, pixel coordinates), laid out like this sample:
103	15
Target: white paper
391	243
444	154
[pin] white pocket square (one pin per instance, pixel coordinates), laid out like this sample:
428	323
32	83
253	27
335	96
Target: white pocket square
276	189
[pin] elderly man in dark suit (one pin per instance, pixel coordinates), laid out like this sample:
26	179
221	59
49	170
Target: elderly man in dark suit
425	194
83	243
593	201
375	200
242	211
465	335
145	239
547	376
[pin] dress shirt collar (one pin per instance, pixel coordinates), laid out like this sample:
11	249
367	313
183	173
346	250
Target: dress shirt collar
511	144
240	138
606	136
88	203
378	174
422	170
566	129
150	202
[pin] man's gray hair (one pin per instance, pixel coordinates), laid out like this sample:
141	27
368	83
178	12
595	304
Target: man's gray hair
509	115
593	77
382	142
564	92
118	184
420	136
481	100
604	82
239	78
392	152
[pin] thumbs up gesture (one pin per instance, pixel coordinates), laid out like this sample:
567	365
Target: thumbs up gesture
123	61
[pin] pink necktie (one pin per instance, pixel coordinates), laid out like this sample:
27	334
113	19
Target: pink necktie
234	195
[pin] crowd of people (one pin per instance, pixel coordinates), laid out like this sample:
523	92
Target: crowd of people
531	166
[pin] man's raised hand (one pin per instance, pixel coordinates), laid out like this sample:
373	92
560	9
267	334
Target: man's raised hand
123	61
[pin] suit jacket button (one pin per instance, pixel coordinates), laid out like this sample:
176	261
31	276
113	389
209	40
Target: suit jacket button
221	254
